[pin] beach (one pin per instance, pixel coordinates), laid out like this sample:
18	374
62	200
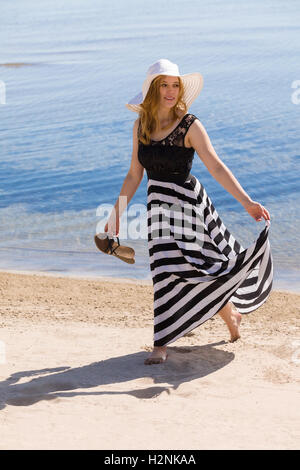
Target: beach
73	341
72	371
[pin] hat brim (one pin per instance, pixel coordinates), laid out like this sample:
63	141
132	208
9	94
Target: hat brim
134	103
192	83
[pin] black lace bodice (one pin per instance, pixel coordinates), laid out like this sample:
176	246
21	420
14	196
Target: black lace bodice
168	159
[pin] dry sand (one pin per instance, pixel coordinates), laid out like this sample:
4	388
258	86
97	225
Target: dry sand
73	377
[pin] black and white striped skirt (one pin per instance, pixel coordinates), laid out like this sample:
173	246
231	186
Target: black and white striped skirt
196	264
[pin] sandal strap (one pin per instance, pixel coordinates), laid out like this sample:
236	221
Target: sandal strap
110	245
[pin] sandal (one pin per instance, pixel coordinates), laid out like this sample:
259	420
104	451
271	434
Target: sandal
109	246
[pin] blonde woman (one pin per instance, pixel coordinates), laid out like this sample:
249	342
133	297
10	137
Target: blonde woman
198	268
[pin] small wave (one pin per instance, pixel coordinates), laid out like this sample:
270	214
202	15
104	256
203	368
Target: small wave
15	64
47	250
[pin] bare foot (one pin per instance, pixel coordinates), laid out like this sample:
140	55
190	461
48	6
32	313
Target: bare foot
232	319
233	325
236	319
158	355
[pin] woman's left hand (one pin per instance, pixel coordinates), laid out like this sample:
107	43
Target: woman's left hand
257	211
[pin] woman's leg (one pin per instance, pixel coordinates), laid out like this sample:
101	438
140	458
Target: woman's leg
232	318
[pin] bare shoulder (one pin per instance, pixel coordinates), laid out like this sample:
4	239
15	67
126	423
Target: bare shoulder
197	124
136	123
135	132
195	132
135	128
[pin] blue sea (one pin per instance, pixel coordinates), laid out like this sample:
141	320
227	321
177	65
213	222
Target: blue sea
67	68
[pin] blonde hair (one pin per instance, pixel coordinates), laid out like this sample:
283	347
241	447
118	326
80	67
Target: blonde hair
148	110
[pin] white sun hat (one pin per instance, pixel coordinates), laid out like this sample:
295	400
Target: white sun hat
192	82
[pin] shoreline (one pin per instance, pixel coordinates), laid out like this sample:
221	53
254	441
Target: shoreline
80	277
116	279
120	302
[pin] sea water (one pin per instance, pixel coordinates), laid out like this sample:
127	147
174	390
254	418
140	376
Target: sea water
67	68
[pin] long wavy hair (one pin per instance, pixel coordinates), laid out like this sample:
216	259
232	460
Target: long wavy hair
149	121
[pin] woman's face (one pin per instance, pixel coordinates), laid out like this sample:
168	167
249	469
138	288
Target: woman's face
169	91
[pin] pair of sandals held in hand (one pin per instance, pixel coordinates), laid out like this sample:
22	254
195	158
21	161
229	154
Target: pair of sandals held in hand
108	245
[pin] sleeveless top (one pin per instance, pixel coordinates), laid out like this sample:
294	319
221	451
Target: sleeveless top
168	159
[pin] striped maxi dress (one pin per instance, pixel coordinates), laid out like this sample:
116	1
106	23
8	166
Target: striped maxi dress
197	265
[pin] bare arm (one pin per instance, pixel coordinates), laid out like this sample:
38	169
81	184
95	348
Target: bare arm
131	183
200	141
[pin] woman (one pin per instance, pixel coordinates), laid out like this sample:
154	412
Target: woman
203	270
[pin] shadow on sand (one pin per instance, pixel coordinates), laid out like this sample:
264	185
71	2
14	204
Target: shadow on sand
183	365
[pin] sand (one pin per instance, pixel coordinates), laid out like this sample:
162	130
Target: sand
73	376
